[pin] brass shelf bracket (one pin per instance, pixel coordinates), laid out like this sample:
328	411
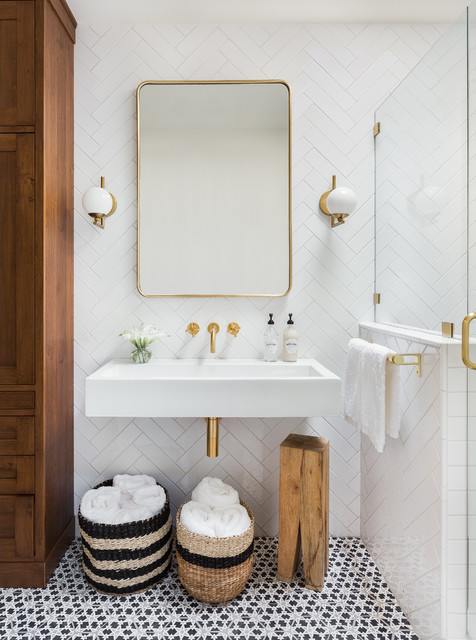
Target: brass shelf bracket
399	358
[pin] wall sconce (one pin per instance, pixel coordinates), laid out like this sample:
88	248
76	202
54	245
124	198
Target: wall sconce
99	204
338	203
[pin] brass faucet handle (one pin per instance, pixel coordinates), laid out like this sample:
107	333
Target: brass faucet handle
193	328
233	328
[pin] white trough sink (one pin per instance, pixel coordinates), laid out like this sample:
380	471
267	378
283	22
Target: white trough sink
223	388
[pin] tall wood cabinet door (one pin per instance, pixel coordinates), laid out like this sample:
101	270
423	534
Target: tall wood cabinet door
17	219
17	63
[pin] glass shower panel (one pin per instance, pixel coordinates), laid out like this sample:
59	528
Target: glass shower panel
420	188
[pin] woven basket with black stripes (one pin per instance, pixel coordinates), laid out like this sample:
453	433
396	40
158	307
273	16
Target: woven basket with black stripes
121	559
214	569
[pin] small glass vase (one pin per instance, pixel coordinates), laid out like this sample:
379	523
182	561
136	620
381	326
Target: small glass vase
141	355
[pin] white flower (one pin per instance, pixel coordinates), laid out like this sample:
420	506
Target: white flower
141	337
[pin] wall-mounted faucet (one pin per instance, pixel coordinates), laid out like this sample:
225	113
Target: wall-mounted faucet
213	329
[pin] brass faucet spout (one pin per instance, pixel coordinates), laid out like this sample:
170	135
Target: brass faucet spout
213	329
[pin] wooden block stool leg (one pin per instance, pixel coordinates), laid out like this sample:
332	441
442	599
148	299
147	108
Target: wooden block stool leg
289	547
314	516
304	508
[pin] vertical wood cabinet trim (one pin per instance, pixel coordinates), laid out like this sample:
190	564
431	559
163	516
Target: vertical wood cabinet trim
26	62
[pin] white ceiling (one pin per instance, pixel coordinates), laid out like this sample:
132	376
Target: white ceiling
226	11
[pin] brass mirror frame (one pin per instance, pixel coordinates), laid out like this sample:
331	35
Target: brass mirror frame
218	295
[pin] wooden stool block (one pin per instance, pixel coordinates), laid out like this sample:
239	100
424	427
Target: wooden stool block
304	508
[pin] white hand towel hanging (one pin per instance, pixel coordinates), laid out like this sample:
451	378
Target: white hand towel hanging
372	391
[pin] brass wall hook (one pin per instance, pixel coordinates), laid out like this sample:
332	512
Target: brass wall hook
193	328
233	328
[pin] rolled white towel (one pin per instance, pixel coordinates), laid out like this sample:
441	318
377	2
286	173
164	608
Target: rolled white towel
231	521
101	504
152	497
215	493
130	483
125	501
131	514
198	518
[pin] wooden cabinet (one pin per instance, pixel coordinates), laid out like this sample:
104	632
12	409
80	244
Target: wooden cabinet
16	529
17	474
17	246
17	62
17	435
36	294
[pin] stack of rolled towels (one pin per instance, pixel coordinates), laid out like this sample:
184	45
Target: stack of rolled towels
131	498
215	510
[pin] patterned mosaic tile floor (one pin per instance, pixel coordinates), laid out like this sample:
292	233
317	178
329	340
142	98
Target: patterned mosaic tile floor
355	604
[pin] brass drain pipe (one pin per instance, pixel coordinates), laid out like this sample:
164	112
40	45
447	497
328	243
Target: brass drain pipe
212	436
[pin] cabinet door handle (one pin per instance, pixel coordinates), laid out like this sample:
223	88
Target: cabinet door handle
465	340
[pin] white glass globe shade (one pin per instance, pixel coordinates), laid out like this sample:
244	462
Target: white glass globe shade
97	200
341	200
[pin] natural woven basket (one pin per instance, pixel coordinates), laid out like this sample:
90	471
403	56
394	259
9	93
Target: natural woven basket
214	569
122	559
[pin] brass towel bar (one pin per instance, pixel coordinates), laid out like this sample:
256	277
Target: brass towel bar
399	358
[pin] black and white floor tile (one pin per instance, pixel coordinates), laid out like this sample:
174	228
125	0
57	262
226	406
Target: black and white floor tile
355	604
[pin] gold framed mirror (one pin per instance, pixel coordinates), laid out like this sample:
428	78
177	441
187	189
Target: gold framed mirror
214	188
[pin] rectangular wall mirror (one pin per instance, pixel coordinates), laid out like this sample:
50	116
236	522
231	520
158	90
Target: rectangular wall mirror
214	203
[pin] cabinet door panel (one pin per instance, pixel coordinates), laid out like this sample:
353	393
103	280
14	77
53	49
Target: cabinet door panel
17	435
17	211
17	474
16	527
17	63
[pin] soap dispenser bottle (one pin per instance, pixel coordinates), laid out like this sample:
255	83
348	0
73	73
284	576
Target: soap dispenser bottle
290	342
270	339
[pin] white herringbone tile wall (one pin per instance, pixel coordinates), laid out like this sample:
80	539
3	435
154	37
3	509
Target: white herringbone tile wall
414	494
401	492
338	75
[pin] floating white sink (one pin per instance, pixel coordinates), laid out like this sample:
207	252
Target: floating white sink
222	388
